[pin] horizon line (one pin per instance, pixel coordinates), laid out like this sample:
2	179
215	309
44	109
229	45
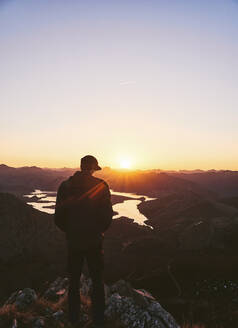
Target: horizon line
120	169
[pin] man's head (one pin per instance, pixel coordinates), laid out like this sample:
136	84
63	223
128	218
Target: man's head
89	163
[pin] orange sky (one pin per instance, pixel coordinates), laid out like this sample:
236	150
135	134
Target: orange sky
150	82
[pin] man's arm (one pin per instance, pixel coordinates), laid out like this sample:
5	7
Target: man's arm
60	215
105	208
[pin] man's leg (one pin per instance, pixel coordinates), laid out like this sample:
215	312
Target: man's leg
95	260
75	263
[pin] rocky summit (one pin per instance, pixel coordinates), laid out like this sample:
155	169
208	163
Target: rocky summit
125	307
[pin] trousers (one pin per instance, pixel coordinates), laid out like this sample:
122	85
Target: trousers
95	261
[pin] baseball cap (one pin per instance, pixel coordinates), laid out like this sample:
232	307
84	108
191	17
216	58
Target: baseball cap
89	162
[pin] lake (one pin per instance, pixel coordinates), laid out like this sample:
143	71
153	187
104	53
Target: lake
128	208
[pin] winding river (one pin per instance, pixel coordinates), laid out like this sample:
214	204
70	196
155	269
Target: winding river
128	208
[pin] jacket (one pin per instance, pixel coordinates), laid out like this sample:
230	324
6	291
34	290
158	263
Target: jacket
83	210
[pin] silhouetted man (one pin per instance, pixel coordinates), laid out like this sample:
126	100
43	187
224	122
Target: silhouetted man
84	212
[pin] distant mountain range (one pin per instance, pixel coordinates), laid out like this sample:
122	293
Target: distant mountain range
151	182
25	179
224	183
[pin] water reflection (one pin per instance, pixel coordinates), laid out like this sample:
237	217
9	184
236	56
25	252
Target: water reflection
127	208
43	207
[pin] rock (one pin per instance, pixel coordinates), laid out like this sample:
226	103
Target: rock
12	298
144	293
57	289
140	296
134	308
24	298
38	323
121	287
127	312
85	285
59	315
157	310
84	318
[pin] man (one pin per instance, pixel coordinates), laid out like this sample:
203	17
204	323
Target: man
84	212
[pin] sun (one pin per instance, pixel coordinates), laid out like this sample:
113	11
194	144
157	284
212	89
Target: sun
125	164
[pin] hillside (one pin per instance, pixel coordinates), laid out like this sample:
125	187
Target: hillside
187	206
224	183
179	262
25	179
153	184
30	243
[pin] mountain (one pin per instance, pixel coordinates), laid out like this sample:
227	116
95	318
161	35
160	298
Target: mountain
29	242
174	262
25	179
224	183
153	184
187	206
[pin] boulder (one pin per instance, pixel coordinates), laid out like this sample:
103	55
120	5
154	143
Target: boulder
156	310
132	308
39	323
22	298
136	308
25	298
85	285
121	287
59	315
140	296
125	310
56	289
12	298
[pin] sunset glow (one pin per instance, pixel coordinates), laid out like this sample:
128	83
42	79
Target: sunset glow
125	164
156	79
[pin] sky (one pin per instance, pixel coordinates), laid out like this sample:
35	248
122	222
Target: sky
149	82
